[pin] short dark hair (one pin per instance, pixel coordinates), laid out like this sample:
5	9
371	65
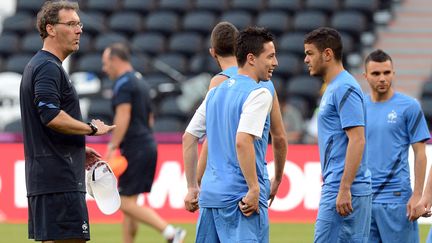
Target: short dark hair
119	50
326	37
48	14
377	56
251	40
223	39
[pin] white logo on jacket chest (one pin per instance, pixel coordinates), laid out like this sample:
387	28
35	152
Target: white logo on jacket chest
391	117
85	227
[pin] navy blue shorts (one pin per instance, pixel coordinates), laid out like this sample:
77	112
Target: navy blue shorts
139	174
58	216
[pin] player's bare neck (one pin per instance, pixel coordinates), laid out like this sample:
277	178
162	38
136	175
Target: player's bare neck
332	71
249	72
227	62
382	97
55	50
124	68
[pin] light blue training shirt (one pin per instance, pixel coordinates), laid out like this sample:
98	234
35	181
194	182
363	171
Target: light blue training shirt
392	126
223	183
342	106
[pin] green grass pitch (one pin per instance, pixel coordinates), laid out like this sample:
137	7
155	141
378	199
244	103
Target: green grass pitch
111	233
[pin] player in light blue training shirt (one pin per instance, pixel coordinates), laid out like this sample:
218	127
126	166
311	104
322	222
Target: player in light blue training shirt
222	51
345	205
235	186
395	121
223	42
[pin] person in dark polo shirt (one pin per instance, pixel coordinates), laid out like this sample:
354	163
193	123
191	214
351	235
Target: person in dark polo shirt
134	136
54	133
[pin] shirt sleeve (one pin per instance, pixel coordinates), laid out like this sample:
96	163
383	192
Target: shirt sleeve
255	110
197	125
349	104
416	123
123	93
47	90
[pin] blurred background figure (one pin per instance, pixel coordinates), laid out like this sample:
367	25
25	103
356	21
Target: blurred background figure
133	117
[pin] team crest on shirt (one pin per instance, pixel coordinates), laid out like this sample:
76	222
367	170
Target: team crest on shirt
231	82
85	227
391	117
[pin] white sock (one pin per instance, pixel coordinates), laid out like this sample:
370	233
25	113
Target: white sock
169	232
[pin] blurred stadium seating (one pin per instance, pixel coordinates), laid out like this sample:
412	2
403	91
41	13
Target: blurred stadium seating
169	39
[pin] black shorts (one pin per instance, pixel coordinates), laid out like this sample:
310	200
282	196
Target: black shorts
58	216
139	174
